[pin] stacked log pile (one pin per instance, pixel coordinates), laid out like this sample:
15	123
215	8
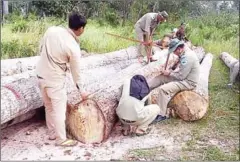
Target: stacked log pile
92	120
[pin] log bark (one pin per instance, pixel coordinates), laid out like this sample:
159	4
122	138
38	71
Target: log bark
228	59
19	119
192	105
233	65
19	97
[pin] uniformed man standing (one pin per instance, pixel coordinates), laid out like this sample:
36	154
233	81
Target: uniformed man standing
185	77
145	26
59	47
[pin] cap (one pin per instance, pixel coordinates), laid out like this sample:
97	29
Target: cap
163	14
174	44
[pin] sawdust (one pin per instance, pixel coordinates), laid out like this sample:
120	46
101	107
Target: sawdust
28	141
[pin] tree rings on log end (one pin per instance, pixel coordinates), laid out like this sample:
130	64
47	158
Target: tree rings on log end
85	122
189	105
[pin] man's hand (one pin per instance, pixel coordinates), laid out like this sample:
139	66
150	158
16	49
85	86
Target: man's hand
148	43
166	72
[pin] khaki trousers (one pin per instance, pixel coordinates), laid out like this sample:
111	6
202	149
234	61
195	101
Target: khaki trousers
168	88
55	102
150	113
141	35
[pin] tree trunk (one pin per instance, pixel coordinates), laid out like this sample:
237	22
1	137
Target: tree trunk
228	59
19	97
19	65
19	119
89	76
233	64
192	105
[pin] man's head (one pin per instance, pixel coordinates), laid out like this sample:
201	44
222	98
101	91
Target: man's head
77	23
176	46
162	16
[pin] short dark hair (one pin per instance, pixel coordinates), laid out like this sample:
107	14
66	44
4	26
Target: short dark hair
76	21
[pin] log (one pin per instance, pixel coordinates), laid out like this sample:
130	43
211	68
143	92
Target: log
99	110
19	119
19	65
233	64
94	75
19	97
121	61
192	105
88	75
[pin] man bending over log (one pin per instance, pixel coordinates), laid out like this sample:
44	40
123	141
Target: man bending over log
59	46
146	25
184	77
132	109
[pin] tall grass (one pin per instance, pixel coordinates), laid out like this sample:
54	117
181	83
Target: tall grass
21	38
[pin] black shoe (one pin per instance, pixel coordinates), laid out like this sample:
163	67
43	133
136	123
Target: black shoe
159	118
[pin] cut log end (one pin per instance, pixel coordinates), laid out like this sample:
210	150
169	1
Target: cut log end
86	122
189	105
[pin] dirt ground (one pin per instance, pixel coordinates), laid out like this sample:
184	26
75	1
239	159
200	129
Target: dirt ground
172	139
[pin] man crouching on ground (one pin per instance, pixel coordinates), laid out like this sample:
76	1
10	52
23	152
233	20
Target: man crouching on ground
132	111
59	47
185	77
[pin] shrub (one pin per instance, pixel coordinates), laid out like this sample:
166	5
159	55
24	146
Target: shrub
20	26
17	49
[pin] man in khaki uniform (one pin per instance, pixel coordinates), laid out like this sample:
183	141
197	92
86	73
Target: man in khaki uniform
59	47
132	112
185	77
145	26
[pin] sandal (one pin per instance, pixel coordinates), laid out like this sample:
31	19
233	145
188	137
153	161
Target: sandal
52	137
144	133
67	143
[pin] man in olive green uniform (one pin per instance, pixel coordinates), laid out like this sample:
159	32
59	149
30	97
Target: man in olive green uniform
184	77
145	26
59	47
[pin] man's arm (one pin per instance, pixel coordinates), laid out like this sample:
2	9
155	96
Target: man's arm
126	87
184	69
74	54
147	28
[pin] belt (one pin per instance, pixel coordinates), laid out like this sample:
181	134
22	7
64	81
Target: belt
128	121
